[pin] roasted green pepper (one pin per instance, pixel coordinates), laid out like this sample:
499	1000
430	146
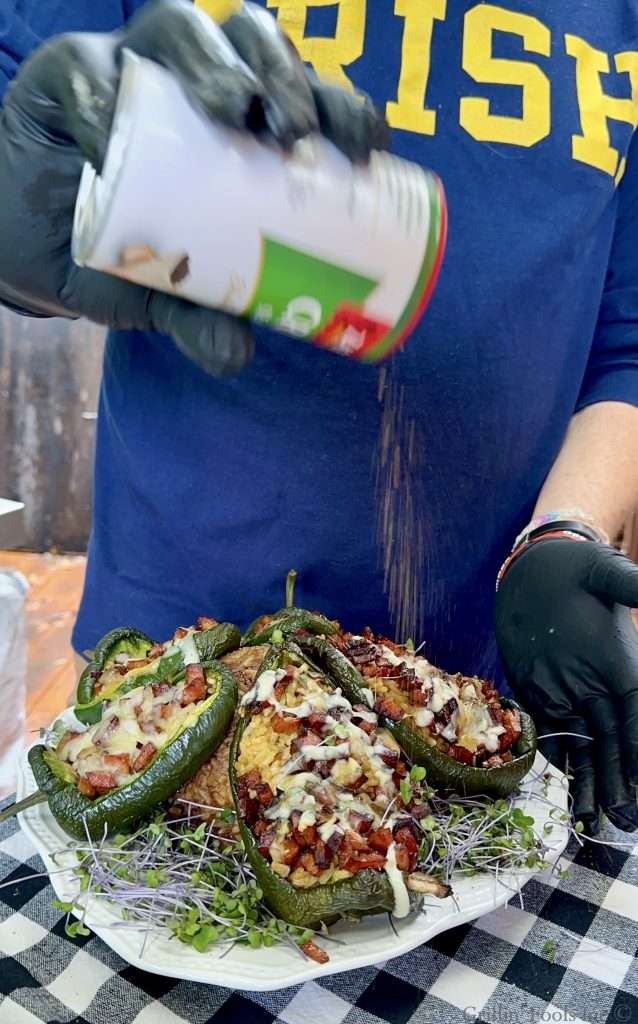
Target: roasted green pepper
172	766
444	772
288	622
123	640
366	892
210	645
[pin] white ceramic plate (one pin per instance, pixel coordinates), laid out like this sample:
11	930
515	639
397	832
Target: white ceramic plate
373	941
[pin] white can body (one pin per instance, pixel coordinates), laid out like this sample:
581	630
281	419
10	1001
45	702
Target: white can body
344	256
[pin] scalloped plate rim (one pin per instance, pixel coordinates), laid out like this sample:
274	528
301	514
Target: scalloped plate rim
274	968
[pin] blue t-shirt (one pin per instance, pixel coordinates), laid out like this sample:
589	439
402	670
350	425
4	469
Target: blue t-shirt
206	491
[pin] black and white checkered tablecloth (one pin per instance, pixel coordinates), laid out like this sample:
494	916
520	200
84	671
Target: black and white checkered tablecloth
500	970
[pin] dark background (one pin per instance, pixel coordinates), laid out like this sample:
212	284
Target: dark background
49	380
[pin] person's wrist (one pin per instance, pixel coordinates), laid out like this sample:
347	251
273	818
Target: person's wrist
575	517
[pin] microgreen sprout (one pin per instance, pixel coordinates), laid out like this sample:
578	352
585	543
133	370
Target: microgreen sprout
187	876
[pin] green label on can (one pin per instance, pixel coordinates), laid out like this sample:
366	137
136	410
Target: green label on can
300	293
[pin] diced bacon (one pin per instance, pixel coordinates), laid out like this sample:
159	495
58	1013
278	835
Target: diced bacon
361	657
195	688
250	808
495	713
118	763
355	841
159	688
180	633
443	716
102	782
166	710
360	823
355	786
195	674
322	855
461	754
404	838
86	788
389	708
307	837
248	781
307	739
280	688
313	952
260	827
307	862
489	692
284	723
143	757
325	797
380	840
316	721
364	861
361	723
205	622
290	851
266	839
335	840
264	794
389	757
402	857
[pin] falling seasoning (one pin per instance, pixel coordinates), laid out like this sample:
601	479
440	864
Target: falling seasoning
399	463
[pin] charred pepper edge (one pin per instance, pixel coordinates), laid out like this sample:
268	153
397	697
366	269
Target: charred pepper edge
289	621
104	650
170	768
211	644
443	771
367	892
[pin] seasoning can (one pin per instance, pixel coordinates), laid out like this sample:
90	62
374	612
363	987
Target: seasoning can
342	256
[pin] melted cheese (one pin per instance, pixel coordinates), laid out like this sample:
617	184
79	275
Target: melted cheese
424	717
397	881
475	728
185	646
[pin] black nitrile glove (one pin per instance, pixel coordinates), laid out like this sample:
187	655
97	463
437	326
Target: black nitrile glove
570	651
58	112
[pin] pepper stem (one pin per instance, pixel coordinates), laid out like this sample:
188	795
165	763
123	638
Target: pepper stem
291	579
30	801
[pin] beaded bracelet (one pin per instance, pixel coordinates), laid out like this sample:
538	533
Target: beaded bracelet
565	529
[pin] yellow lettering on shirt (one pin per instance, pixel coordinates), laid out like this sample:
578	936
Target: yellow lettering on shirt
219	10
328	56
481	22
409	112
593	145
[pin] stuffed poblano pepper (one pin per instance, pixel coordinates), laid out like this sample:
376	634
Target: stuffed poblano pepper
328	829
288	622
468	738
150	740
126	658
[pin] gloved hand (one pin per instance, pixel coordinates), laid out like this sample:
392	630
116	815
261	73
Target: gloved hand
58	112
570	651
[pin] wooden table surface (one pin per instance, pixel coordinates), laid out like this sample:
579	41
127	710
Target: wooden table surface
55	583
